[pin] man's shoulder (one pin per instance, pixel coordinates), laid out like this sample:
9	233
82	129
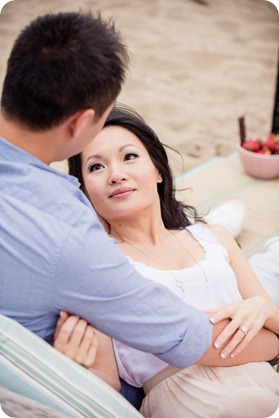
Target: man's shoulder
43	207
39	188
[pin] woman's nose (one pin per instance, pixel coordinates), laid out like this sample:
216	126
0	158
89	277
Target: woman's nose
117	175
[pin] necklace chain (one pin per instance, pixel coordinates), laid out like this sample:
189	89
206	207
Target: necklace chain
179	284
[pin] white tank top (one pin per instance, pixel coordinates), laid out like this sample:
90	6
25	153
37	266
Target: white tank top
135	366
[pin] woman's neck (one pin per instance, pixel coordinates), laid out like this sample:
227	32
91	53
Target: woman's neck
140	231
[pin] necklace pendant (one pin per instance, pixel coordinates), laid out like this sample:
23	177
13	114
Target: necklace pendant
180	285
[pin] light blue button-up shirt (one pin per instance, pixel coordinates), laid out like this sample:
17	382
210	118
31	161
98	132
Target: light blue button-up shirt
55	255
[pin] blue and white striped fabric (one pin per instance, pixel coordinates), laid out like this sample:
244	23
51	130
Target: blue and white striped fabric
32	368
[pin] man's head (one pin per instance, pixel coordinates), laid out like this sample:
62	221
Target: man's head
61	64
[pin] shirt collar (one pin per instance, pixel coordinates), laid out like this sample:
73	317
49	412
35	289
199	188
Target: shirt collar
11	153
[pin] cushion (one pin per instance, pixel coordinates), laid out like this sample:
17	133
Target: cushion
32	368
18	406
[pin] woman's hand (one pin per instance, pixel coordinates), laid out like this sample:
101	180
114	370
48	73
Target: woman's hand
76	339
247	319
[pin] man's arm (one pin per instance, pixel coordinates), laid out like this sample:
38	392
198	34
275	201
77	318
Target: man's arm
101	286
263	347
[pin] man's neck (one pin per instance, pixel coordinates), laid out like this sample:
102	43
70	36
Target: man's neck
35	143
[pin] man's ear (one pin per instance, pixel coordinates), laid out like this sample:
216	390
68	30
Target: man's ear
80	120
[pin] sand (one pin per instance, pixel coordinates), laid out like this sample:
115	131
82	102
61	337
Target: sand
196	66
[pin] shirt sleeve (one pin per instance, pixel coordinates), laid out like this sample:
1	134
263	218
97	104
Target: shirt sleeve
95	281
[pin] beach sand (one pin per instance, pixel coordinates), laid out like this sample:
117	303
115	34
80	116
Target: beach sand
196	66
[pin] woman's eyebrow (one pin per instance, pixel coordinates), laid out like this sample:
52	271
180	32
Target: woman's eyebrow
98	156
127	145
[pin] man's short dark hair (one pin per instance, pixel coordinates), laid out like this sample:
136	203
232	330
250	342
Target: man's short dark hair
62	63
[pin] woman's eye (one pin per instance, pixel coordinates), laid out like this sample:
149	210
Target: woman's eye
95	167
130	156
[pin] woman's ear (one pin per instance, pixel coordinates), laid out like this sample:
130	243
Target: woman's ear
81	120
160	179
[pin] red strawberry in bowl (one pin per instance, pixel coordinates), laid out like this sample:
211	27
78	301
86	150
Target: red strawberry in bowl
266	145
269	144
271	136
251	145
260	156
264	151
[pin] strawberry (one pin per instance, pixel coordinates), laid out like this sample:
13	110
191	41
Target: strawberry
267	146
271	136
269	143
251	145
265	150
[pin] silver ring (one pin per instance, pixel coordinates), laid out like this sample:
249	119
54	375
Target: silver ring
244	329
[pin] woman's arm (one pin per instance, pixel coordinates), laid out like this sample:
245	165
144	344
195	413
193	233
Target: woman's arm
256	311
88	347
263	347
105	364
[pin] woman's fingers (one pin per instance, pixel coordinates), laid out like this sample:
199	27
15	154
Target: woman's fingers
64	331
241	338
88	348
237	335
62	319
75	334
246	319
76	339
238	342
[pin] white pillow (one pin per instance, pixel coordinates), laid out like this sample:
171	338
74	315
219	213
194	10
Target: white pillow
31	367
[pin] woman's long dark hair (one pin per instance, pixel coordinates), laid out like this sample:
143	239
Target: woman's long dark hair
175	214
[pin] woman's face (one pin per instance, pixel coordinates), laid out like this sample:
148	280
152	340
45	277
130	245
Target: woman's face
119	177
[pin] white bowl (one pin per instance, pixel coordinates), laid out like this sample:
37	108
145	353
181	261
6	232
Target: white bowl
260	166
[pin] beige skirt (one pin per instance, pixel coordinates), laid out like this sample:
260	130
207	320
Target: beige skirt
246	391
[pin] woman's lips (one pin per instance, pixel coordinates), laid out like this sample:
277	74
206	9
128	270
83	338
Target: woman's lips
121	192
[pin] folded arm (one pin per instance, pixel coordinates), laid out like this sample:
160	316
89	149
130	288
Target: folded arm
249	316
263	347
94	350
88	347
